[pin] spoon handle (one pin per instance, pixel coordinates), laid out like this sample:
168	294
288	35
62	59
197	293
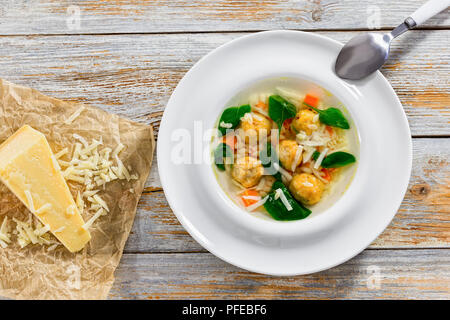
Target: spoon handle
428	10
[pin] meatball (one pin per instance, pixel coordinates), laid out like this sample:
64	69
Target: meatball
255	126
247	171
306	188
304	121
287	152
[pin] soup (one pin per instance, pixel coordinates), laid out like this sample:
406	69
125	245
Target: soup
285	149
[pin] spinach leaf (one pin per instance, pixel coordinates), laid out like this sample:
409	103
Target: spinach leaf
268	158
332	117
280	110
222	151
315	155
338	159
233	115
277	209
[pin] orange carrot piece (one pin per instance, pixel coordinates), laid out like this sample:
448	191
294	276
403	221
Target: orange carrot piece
329	130
230	140
249	192
287	123
311	100
327	175
261	105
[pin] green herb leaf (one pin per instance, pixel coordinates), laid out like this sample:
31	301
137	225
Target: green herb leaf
315	155
277	209
233	115
280	110
338	159
222	152
332	117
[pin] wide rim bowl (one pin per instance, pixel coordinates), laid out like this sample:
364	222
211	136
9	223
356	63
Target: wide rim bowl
304	246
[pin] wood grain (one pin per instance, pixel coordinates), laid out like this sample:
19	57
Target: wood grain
134	75
423	220
375	274
127	57
156	16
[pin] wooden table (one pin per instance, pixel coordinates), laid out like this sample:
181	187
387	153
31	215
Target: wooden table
127	56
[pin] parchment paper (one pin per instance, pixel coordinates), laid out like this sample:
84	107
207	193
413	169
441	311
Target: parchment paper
35	273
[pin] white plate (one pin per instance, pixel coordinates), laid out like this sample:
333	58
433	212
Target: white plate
272	247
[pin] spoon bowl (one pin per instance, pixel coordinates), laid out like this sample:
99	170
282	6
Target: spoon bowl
363	55
366	53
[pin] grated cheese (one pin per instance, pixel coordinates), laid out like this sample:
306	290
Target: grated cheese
3	244
5	237
318	175
122	168
248	117
40	231
4	228
88	224
296	161
226	125
81	139
80	202
284	200
120	147
74	115
259	110
285	173
60	229
316	118
101	202
53	247
55	163
30	200
61	153
308	154
44	208
320	158
278	193
314	143
290	95
251	198
257	204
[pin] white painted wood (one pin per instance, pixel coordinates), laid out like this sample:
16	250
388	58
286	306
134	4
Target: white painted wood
134	75
374	274
128	16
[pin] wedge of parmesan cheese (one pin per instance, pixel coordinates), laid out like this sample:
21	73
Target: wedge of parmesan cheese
27	169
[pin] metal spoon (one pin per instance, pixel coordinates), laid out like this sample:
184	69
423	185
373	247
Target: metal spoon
366	53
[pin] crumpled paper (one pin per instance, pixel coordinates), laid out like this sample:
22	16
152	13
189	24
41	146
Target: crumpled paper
35	273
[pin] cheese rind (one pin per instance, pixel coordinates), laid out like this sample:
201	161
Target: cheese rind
27	166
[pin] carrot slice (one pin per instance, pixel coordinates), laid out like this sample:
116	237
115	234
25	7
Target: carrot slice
247	193
329	130
311	100
327	175
261	105
287	123
230	140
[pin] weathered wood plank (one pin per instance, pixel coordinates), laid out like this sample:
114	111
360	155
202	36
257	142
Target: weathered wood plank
134	75
423	220
374	274
128	16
